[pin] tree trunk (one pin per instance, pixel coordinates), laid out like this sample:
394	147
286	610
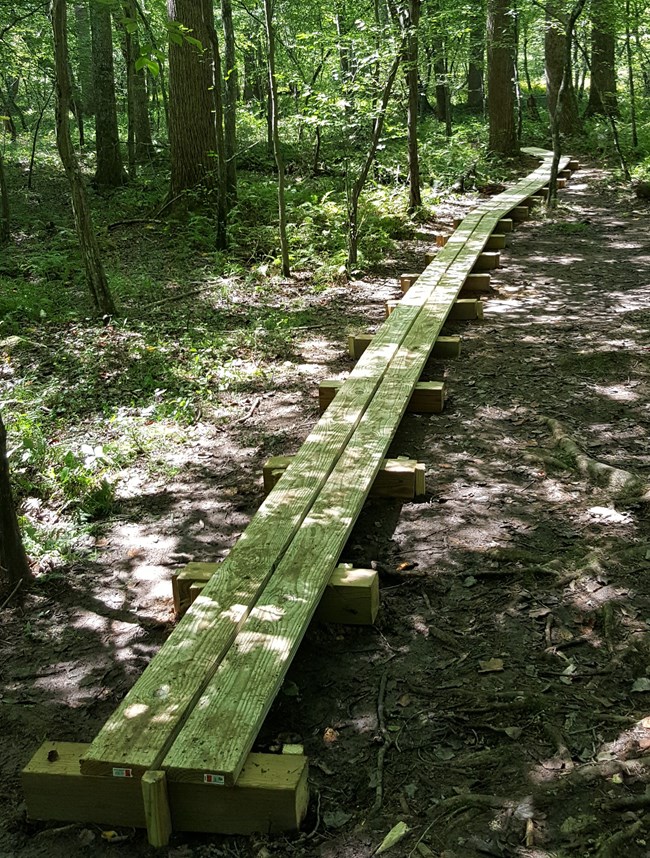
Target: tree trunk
555	52
95	275
630	74
602	90
109	172
14	566
192	129
501	74
412	79
354	191
5	232
84	57
475	99
222	195
273	112
230	101
440	72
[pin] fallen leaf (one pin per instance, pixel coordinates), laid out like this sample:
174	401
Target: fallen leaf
492	665
336	818
397	833
513	732
424	850
405	700
330	736
469	581
642	684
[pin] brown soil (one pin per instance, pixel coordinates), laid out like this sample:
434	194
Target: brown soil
501	705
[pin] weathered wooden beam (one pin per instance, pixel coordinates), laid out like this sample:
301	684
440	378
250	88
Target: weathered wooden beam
487	261
428	397
466	309
497	241
271	795
156	808
400	478
350	598
406	281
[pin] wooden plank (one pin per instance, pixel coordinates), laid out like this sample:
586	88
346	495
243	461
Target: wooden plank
156	808
350	598
428	397
271	795
152	715
396	478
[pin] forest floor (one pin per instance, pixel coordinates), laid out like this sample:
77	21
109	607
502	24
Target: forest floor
510	664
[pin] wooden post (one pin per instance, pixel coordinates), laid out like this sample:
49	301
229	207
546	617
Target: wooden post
574	164
156	808
465	310
505	225
406	281
441	239
487	261
519	213
497	241
429	256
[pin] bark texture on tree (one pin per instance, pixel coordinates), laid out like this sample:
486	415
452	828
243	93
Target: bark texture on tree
4	205
95	276
501	78
14	566
602	90
84	57
554	58
192	128
109	172
413	84
231	93
273	113
475	97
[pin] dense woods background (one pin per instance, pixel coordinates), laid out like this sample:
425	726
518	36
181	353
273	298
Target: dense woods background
150	151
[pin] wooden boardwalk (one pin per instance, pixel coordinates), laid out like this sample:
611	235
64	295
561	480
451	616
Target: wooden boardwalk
190	721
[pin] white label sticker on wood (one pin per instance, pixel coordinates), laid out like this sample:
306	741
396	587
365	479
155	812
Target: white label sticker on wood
217	780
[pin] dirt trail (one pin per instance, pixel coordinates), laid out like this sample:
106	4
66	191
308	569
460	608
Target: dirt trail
507	678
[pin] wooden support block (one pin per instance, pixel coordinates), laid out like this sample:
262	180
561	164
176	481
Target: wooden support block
271	794
561	183
183	580
441	239
351	597
519	213
573	164
390	305
497	241
457	222
397	478
358	343
505	225
565	174
428	397
446	347
487	261
478	283
466	309
429	256
406	281
156	808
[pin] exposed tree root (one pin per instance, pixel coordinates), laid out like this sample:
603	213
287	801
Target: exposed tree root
621	483
612	847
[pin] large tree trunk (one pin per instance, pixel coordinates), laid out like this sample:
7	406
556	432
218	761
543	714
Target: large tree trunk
5	231
501	74
440	71
602	90
14	566
475	99
230	100
109	172
95	276
412	79
192	128
273	112
555	53
222	195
